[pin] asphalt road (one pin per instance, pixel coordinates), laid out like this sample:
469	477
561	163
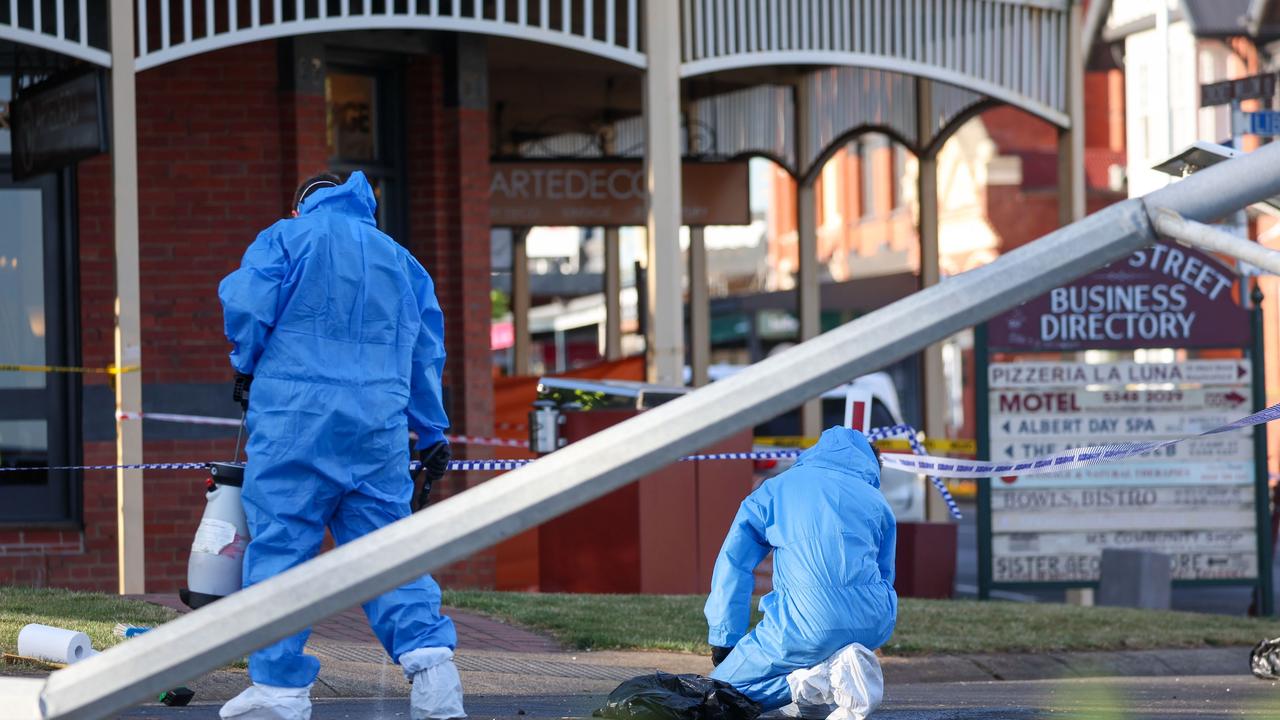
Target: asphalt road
1203	698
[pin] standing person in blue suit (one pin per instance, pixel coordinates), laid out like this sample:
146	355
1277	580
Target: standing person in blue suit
338	329
832	534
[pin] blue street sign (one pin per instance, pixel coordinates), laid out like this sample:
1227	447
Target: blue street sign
1266	122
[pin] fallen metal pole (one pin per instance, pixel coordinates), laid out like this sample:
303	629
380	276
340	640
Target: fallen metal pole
1207	237
453	529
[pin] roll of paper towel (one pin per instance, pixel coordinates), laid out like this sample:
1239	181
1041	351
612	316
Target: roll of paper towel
54	644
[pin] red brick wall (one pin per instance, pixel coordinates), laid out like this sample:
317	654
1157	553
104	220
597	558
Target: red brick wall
302	135
1020	216
1012	129
210	164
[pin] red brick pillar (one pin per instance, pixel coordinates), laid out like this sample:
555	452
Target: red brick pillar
302	116
448	188
447	174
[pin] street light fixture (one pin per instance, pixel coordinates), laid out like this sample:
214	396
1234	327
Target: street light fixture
1195	157
1200	155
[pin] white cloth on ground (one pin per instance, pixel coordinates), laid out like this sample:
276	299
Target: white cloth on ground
437	688
849	685
269	702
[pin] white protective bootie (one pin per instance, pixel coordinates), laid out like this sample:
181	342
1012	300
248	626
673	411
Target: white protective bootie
807	712
269	702
437	689
849	684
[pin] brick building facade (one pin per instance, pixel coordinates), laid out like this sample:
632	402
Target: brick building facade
224	138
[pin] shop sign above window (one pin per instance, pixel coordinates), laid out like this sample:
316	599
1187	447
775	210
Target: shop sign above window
58	122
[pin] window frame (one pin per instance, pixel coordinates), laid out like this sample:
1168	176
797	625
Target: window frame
58	502
389	131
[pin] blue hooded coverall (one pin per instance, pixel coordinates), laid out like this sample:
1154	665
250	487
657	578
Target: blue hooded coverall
832	534
340	327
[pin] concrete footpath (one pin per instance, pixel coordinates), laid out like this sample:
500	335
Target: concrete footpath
500	660
1203	698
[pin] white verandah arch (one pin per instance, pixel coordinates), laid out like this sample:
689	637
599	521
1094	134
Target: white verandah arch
1013	51
67	32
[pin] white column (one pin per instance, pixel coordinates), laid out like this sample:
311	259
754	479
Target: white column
520	301
935	380
699	308
612	295
808	292
1071	179
662	179
128	332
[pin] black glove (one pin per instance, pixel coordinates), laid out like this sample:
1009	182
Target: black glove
240	393
434	462
718	654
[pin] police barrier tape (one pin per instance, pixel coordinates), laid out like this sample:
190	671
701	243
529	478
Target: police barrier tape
874	435
234	422
1068	460
913	438
957	446
108	370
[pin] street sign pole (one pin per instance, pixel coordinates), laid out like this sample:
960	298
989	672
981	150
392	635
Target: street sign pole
1266	582
982	404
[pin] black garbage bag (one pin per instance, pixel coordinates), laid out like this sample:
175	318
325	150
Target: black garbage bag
1264	661
662	696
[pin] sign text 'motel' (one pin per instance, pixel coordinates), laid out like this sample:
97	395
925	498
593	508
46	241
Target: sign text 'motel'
58	123
611	193
1248	88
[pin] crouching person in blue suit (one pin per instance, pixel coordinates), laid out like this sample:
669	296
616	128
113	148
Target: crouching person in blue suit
832	534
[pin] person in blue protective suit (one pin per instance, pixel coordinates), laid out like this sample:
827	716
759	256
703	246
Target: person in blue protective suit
338	330
832	534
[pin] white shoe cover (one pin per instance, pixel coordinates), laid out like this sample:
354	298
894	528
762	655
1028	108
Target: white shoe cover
437	689
850	680
807	712
269	702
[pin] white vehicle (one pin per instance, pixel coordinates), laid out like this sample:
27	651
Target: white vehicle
904	491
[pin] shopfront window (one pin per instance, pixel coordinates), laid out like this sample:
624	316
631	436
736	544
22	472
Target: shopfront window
22	325
363	132
39	411
353	131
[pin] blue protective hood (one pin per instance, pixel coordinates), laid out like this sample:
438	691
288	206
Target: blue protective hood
354	198
843	450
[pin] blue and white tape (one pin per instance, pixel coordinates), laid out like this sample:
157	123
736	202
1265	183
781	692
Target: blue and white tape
754	455
140	466
884	433
506	465
1058	462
